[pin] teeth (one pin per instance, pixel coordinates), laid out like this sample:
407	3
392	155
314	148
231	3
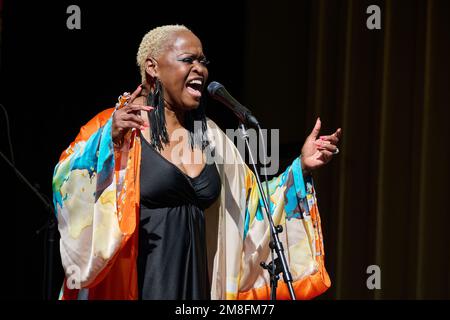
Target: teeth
195	82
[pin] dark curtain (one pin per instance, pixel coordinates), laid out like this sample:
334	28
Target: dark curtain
383	198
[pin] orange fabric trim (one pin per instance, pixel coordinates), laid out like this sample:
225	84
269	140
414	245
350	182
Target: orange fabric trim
88	129
304	289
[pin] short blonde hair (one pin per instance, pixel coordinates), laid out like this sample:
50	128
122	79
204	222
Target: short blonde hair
154	43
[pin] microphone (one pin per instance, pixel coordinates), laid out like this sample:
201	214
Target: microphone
219	93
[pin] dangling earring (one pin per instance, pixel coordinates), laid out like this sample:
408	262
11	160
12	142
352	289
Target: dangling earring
195	121
157	117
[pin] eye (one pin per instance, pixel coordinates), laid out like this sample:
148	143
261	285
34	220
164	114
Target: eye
204	62
188	60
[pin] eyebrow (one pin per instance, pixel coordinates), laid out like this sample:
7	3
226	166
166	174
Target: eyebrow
191	53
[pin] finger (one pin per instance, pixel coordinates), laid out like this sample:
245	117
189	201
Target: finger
315	131
135	118
325	155
135	94
320	144
131	125
331	138
137	107
327	147
338	133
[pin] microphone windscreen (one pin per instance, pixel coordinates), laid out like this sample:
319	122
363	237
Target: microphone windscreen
213	87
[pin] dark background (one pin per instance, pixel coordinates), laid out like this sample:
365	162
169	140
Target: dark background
383	200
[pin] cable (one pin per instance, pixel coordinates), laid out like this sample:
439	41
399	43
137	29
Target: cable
12	159
8	131
48	226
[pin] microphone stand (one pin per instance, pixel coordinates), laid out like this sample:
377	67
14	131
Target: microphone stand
50	225
279	264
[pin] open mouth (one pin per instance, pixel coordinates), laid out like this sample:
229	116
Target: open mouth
195	87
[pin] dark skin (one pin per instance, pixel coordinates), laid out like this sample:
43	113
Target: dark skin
181	62
318	150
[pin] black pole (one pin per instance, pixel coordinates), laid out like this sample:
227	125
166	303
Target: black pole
50	225
274	267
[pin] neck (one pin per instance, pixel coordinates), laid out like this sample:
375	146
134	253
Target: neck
174	117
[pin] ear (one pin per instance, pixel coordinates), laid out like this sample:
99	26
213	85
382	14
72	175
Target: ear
151	67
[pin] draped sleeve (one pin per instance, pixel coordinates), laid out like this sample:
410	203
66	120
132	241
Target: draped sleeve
93	194
239	234
293	205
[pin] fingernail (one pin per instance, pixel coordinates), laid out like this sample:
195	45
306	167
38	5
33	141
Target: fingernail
142	128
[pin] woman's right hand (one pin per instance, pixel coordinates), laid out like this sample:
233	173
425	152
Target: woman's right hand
127	118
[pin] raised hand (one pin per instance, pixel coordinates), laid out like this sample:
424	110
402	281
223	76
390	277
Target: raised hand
317	152
128	117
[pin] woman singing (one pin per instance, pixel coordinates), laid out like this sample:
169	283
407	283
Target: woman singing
155	202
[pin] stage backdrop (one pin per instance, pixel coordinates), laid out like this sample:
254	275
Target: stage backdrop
384	200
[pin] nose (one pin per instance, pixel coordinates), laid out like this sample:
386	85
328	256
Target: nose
200	68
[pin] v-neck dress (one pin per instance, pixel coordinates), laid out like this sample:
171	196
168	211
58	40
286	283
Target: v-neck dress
172	262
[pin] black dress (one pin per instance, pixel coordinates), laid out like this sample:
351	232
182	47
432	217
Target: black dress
172	262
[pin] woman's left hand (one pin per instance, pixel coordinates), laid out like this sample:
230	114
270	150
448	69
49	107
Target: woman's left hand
317	152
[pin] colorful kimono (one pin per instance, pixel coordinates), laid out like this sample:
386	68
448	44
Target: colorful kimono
96	196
